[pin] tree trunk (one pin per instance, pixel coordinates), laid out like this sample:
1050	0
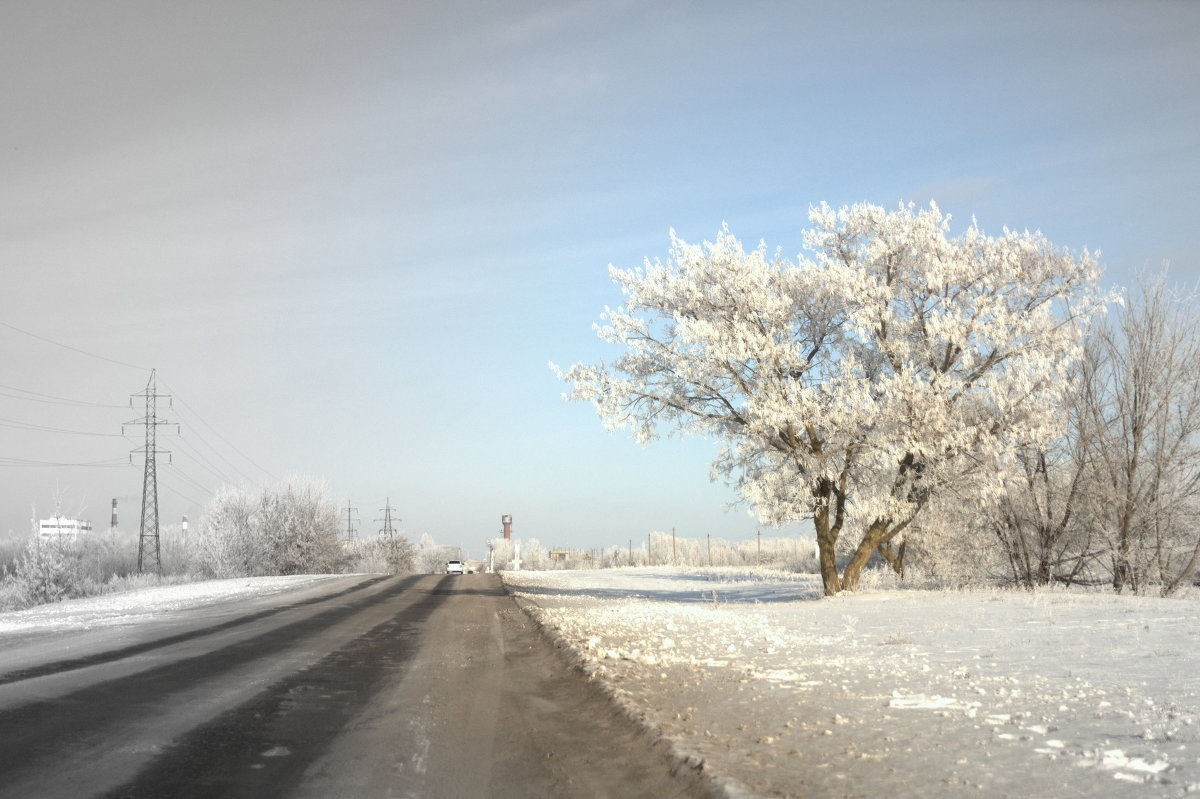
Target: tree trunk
870	542
895	557
828	519
826	545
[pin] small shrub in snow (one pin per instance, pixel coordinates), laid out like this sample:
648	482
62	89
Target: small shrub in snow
46	572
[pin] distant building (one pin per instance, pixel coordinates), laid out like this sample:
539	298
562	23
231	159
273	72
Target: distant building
60	528
560	554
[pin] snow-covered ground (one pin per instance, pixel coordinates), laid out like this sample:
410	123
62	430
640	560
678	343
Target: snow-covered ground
891	693
887	693
129	607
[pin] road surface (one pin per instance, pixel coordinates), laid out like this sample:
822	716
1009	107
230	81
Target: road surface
420	686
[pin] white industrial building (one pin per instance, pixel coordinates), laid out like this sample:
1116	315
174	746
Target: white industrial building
60	528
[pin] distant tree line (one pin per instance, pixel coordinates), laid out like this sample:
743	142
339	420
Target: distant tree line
290	528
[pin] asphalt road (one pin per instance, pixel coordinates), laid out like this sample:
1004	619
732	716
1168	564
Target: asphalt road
424	686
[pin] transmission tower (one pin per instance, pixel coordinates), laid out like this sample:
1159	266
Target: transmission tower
349	522
148	539
387	520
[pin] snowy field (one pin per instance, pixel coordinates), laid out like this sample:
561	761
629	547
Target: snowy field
130	607
779	692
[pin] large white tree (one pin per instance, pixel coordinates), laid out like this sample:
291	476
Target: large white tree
889	361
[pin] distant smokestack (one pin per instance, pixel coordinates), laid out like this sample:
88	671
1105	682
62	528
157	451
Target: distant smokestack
506	520
113	524
185	525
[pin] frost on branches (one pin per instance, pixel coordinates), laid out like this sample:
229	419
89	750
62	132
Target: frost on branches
889	363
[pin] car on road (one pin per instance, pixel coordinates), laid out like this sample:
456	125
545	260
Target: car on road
454	567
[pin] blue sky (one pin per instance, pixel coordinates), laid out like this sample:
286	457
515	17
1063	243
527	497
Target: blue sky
350	237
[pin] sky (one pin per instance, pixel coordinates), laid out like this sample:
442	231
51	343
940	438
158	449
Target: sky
350	237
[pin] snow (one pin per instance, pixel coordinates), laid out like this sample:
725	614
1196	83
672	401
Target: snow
776	691
130	607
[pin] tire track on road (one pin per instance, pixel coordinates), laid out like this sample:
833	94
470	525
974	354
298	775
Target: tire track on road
69	736
112	655
263	747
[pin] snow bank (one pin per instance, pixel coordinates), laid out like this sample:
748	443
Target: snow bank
135	605
900	693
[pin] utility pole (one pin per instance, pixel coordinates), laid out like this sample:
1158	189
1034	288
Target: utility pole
349	522
674	560
387	519
148	545
758	560
708	538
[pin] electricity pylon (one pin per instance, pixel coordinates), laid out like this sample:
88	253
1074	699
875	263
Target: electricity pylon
349	523
148	539
387	520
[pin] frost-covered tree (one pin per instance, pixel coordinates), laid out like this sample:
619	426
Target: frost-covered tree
287	529
431	557
392	554
1042	521
1142	377
534	556
223	544
298	530
848	387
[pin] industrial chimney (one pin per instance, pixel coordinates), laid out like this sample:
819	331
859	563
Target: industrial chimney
506	520
113	523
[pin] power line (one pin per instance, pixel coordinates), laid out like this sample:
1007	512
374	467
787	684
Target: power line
223	439
174	470
199	456
51	399
73	349
111	463
40	428
182	495
203	462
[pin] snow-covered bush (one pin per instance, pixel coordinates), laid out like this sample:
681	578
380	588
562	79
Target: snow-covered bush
288	529
534	555
394	555
222	545
46	571
500	554
431	557
101	562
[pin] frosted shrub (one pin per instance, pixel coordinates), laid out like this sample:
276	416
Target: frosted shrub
534	556
286	529
222	546
431	557
395	555
47	572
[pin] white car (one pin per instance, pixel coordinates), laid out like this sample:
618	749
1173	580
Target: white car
455	567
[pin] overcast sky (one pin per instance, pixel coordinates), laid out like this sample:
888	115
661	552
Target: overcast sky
350	236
